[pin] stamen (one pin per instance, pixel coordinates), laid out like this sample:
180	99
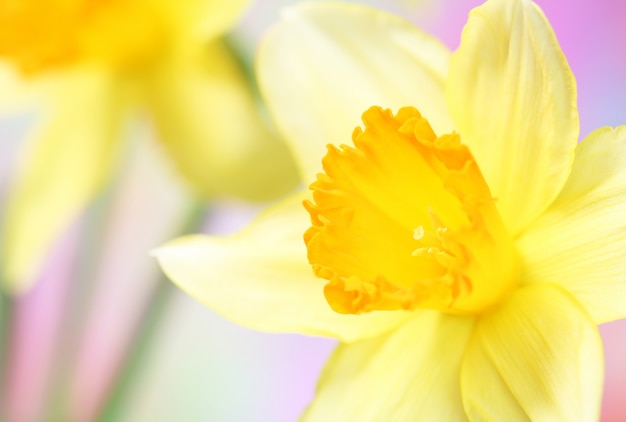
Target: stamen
418	233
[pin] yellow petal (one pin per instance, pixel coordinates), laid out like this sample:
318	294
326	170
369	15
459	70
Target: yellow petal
218	16
10	84
409	374
323	65
68	161
200	19
580	242
539	357
261	279
209	121
15	91
513	99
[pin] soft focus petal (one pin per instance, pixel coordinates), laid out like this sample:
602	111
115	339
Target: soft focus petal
325	64
580	242
261	279
409	374
218	16
15	91
200	19
513	99
19	93
65	166
539	357
208	119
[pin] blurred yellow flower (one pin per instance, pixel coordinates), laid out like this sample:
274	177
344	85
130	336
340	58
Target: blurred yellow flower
469	249
90	65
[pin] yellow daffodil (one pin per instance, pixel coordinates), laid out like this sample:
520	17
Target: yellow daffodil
464	253
89	65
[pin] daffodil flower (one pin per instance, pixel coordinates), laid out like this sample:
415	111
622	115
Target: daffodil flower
90	65
464	253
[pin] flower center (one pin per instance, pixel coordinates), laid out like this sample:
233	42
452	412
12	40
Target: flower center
405	220
37	35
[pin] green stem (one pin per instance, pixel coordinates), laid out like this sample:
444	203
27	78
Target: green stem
82	285
5	321
146	333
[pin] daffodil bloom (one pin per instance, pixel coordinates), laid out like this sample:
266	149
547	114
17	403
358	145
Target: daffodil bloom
89	66
465	246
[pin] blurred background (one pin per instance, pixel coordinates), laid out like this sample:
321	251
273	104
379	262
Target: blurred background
102	336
